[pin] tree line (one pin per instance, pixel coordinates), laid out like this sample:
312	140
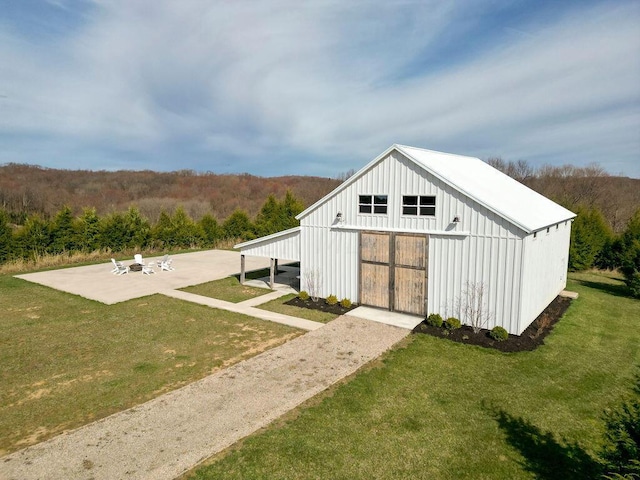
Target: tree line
119	231
40	214
29	189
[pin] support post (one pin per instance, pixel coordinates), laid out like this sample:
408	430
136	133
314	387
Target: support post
272	273
242	273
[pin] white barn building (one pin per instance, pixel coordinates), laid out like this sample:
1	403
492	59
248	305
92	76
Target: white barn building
417	231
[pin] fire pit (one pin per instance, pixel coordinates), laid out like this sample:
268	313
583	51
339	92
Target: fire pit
136	267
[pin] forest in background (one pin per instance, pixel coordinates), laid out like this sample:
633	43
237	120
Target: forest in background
27	190
47	211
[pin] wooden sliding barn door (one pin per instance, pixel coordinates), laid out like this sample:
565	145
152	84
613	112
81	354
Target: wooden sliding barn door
393	271
374	269
410	273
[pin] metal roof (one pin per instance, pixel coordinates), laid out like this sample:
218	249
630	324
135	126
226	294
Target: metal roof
491	188
484	184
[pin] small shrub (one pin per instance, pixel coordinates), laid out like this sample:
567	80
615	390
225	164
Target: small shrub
303	295
345	303
331	300
435	320
621	451
452	323
499	334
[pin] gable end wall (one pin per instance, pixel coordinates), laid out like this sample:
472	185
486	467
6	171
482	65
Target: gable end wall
490	254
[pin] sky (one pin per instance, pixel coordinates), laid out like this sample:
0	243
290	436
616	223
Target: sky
320	87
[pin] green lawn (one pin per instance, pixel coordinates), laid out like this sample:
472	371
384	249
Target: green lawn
67	360
434	409
278	306
228	289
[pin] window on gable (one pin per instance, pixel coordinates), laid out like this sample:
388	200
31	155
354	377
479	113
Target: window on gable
423	205
372	204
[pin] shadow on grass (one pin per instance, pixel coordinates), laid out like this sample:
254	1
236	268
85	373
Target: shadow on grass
545	456
617	290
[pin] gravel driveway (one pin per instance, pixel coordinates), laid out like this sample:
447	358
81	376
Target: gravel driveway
165	437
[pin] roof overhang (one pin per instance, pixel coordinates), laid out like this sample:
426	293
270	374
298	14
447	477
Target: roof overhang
285	245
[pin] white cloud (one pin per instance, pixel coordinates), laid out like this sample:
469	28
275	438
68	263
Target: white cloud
329	79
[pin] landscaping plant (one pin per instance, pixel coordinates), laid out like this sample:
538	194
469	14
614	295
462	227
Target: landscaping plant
621	451
499	334
331	300
345	303
435	320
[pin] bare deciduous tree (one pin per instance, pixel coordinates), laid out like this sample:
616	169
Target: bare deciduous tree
312	280
474	311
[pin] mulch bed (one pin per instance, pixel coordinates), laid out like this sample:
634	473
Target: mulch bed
321	305
530	339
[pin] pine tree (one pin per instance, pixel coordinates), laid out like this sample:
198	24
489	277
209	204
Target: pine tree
88	230
238	226
63	233
589	234
210	231
630	254
6	238
34	238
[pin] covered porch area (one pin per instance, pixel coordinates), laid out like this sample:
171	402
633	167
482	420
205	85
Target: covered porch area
283	250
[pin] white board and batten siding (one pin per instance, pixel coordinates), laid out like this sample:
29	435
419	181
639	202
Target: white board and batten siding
283	245
499	241
485	247
455	256
331	255
544	272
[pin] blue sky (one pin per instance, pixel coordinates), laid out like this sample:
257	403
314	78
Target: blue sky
319	87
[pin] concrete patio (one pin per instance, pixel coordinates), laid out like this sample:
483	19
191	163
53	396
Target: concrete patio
95	282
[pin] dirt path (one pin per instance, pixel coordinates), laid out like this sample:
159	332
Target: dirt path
169	435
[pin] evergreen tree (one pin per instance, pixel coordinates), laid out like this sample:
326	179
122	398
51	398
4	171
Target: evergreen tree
630	254
589	234
63	233
210	231
291	207
138	230
184	232
162	230
278	216
88	230
267	218
34	238
621	452
6	238
114	234
238	226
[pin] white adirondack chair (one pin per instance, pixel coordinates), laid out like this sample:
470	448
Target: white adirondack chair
119	268
165	264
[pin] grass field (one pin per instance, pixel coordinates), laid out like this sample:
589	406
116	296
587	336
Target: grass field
67	360
228	289
434	409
